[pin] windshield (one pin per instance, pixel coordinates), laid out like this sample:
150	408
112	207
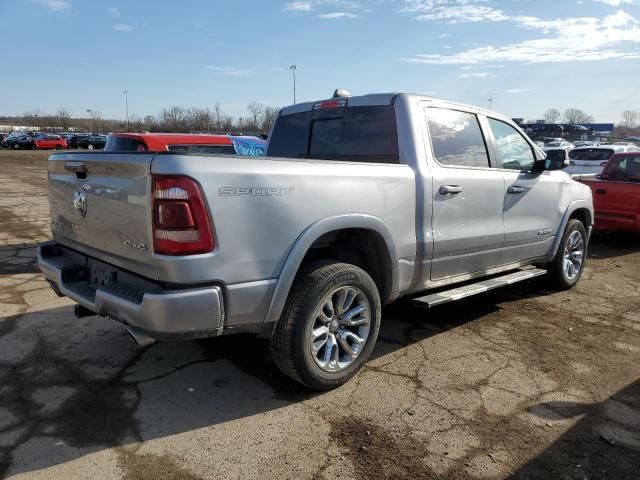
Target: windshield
358	134
591	154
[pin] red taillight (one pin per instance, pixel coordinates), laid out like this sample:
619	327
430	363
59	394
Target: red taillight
180	222
330	104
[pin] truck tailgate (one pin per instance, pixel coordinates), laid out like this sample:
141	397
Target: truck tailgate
101	202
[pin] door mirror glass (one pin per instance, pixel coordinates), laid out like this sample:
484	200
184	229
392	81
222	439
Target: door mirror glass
554	160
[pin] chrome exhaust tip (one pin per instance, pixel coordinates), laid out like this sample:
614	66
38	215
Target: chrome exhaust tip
139	338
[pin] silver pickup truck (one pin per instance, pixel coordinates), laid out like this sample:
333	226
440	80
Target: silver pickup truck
360	201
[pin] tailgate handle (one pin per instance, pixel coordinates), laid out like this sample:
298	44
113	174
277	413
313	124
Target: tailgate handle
601	190
75	166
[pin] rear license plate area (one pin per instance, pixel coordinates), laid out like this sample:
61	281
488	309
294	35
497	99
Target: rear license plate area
101	275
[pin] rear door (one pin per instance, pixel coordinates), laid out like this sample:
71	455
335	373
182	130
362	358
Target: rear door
101	202
467	222
532	211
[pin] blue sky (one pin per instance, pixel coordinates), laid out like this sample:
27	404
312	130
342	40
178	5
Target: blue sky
527	55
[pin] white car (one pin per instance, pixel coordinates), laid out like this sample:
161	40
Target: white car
591	160
561	144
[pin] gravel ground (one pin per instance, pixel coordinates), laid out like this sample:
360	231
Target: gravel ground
521	383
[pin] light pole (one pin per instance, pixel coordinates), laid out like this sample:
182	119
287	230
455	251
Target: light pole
126	104
35	115
90	112
293	70
490	103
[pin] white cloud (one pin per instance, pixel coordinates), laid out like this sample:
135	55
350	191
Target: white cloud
306	6
477	75
53	5
616	3
229	71
113	11
566	40
301	6
454	11
515	91
122	27
334	15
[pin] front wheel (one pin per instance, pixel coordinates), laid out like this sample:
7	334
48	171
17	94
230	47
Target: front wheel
566	267
329	325
90	146
58	147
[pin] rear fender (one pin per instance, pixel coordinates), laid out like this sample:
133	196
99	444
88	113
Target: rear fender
314	232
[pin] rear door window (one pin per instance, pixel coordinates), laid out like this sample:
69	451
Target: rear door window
359	134
456	138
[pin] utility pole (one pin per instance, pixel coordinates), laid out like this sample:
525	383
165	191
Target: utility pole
90	112
126	104
490	103
293	70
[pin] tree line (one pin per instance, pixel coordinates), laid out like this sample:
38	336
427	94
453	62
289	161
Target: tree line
629	124
177	119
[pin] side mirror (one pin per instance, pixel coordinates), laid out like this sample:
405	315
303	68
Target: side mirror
555	160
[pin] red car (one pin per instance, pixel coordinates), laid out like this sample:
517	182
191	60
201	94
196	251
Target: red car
616	193
174	142
48	142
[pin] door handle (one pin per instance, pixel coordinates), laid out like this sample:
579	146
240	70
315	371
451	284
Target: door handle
601	191
515	189
75	166
450	189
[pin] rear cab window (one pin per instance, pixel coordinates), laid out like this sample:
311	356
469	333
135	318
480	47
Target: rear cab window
356	134
124	144
203	149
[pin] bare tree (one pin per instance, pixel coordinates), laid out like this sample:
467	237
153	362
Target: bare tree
218	114
552	115
256	110
269	117
63	119
630	118
575	115
173	119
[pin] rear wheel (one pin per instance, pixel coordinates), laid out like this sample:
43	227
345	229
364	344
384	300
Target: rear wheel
90	146
566	268
329	326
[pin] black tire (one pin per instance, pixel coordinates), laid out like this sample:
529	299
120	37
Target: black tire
58	147
556	276
291	337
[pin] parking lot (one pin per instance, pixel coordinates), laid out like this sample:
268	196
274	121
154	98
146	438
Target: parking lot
519	383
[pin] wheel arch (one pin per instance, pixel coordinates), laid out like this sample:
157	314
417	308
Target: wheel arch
580	210
334	225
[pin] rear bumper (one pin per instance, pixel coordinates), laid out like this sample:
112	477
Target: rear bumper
109	291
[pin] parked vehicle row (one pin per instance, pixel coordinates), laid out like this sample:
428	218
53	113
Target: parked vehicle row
42	141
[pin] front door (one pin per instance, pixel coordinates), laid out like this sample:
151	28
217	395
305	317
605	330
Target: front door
532	210
467	226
